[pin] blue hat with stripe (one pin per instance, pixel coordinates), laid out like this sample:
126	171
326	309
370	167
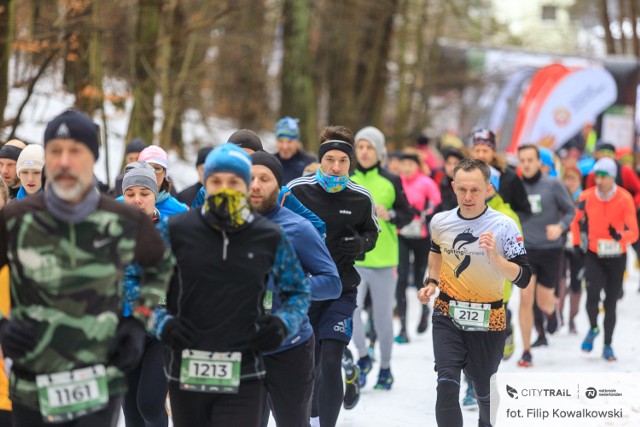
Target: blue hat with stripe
287	127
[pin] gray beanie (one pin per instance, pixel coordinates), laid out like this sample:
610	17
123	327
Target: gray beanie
376	138
142	174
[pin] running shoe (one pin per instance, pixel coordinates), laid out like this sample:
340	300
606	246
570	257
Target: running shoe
402	338
470	398
364	366
352	387
540	341
424	320
553	320
509	347
607	353
385	380
526	361
587	344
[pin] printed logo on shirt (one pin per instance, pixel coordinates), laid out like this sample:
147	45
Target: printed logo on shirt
463	239
345	212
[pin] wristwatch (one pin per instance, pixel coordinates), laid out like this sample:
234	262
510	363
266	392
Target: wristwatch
431	280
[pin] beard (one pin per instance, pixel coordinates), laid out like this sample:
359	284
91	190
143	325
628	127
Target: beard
268	203
67	192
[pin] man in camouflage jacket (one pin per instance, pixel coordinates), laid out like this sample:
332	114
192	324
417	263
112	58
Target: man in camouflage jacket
67	249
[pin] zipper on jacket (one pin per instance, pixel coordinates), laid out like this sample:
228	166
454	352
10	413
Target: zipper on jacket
225	243
72	236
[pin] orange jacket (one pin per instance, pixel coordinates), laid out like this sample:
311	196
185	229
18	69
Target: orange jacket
595	216
5	303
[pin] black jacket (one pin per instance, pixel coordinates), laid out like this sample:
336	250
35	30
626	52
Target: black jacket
348	211
513	192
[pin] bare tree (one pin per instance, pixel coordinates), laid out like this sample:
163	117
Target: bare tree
7	9
606	24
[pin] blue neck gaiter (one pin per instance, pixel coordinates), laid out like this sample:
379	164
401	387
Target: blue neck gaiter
331	183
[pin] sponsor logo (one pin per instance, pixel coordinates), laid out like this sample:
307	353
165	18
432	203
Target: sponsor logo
512	392
345	212
463	239
63	131
100	243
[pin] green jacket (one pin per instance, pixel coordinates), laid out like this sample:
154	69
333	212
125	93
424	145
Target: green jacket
386	190
66	280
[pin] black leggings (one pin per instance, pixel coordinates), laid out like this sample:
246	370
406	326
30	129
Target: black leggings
144	403
191	408
607	274
328	392
420	249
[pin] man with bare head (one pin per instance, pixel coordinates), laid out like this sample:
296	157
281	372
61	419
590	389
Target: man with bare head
9	154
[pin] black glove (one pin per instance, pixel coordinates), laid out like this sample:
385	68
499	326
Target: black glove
613	233
179	333
17	337
270	334
352	245
128	345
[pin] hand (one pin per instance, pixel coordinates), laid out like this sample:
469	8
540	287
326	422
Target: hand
554	231
352	245
488	242
128	345
425	294
17	337
613	233
270	334
178	333
382	213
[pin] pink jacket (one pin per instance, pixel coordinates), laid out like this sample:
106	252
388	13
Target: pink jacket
422	193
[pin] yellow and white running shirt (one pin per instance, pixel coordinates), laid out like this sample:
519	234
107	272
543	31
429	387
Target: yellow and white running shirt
466	273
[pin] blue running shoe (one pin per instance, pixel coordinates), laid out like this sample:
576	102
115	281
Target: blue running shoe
607	353
470	398
385	380
402	338
587	344
364	364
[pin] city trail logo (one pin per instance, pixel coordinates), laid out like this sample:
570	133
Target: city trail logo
538	392
463	239
512	392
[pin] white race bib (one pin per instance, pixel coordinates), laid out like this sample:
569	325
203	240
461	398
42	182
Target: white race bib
470	316
609	248
208	372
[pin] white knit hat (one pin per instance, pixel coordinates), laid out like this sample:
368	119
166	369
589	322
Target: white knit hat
31	157
375	138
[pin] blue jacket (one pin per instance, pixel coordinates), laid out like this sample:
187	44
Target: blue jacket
166	205
22	193
316	262
286	199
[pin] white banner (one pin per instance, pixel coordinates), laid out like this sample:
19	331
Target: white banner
576	99
565	399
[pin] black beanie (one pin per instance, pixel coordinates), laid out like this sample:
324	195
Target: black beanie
10	152
269	160
202	154
136	145
245	138
74	125
335	144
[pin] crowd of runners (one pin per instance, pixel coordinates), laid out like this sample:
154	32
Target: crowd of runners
234	300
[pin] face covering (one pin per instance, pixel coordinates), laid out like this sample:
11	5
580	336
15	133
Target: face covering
227	210
331	183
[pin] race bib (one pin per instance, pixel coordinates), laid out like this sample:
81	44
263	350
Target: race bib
609	248
65	396
535	200
267	302
470	316
569	243
413	230
210	372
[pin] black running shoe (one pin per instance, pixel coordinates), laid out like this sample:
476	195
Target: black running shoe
553	321
352	387
541	341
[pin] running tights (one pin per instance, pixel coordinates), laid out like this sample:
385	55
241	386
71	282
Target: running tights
328	392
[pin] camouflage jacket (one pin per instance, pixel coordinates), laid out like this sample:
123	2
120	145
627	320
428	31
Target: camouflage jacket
66	279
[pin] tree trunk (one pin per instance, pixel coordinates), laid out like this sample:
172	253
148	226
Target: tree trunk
145	80
403	101
7	13
633	15
606	24
298	97
621	15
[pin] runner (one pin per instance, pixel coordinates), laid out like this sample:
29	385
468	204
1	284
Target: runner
290	153
473	250
159	161
65	318
144	402
352	230
29	170
606	213
215	328
424	196
131	153
377	270
290	368
9	154
552	211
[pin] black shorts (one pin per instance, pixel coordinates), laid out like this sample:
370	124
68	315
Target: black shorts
333	319
545	265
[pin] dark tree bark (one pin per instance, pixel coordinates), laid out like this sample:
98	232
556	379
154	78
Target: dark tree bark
6	38
606	24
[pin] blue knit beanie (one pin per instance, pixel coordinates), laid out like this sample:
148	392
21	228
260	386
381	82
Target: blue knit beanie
228	157
287	128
